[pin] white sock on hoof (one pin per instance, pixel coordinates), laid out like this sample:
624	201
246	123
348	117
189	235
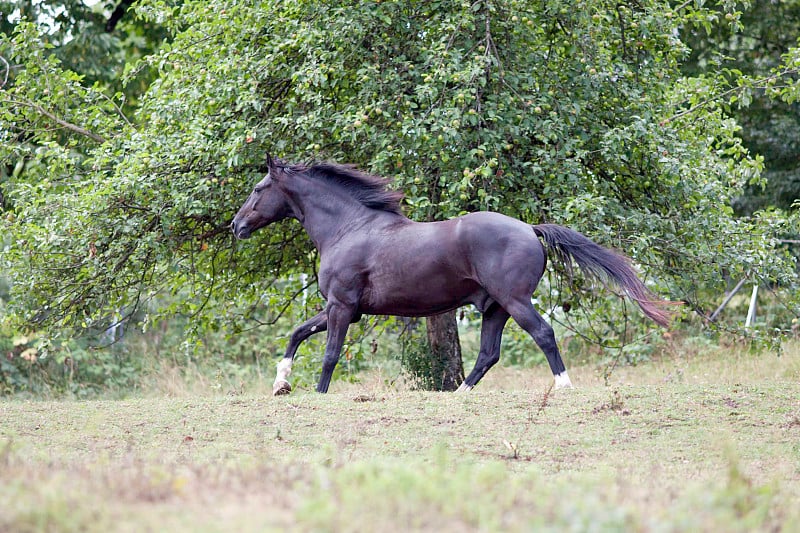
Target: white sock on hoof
281	385
562	381
284	370
463	388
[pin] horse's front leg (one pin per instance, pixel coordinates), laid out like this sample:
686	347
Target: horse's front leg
311	326
339	318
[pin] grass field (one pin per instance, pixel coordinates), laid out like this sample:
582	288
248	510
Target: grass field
689	443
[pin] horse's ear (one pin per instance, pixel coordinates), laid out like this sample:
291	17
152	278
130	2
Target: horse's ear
270	162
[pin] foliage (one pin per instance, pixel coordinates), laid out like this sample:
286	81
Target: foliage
754	56
422	371
71	368
541	111
78	38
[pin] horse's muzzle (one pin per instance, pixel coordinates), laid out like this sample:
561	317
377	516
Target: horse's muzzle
240	230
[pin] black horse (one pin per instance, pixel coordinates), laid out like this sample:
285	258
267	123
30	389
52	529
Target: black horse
374	260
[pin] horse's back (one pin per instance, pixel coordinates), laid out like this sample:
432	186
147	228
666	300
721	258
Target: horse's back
495	231
497	222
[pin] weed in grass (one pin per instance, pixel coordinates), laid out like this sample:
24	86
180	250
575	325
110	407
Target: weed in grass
513	447
615	403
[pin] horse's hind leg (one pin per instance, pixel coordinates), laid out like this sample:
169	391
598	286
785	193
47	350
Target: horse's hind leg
311	326
526	316
494	320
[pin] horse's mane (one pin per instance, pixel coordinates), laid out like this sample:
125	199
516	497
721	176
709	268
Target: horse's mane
371	191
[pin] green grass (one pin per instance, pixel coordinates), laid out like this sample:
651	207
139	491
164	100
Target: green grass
688	443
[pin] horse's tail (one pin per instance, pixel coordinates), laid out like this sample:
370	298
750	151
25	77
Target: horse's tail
569	245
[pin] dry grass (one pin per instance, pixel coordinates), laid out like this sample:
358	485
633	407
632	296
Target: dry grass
708	442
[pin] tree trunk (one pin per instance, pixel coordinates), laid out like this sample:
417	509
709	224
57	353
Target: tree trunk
446	366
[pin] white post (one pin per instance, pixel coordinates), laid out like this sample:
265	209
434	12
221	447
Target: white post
727	299
751	311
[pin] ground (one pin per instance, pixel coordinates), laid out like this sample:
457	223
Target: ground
700	443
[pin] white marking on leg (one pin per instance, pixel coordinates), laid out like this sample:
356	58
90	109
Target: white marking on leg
313	328
284	370
464	387
281	385
562	381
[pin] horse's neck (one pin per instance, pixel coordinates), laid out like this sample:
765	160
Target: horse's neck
326	214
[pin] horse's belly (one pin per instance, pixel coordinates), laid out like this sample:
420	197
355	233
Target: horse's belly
419	296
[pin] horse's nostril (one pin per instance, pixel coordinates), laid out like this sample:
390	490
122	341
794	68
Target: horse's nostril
241	231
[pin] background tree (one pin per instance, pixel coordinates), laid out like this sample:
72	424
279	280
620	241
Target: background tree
541	111
754	47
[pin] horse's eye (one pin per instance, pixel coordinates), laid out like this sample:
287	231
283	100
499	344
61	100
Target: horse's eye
264	184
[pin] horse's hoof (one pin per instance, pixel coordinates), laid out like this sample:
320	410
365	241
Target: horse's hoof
280	388
562	381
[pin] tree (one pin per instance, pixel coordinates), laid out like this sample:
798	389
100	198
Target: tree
542	111
749	48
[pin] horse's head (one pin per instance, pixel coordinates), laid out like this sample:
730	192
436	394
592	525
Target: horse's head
266	204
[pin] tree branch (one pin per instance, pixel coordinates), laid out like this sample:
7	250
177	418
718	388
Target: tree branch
761	83
7	71
63	123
